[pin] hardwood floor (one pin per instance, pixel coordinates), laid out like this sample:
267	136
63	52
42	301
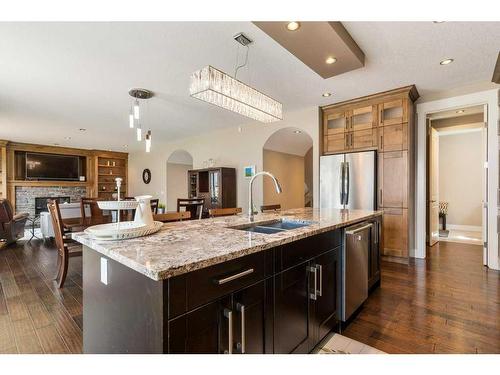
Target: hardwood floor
36	316
448	303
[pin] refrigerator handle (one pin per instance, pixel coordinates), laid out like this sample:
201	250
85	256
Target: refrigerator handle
341	183
347	183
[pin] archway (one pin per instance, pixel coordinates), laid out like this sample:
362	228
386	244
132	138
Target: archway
288	154
178	164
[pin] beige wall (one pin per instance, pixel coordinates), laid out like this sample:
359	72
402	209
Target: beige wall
289	170
460	177
228	147
308	176
177	185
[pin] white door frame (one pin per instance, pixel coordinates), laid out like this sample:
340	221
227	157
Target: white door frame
491	99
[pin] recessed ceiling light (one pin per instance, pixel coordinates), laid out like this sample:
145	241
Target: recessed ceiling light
460	111
331	60
297	131
446	61
326	94
125	146
67	138
293	26
82	129
438	21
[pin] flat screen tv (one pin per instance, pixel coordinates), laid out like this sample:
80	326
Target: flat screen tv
52	167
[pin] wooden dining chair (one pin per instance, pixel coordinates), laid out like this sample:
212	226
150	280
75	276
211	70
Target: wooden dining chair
168	217
193	205
92	206
270	208
217	212
63	252
154	205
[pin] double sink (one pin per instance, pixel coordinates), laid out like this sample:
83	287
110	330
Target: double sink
276	226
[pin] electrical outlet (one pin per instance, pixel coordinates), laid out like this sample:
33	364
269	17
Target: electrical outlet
104	271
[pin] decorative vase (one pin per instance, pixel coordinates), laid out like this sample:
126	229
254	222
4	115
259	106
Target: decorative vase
143	214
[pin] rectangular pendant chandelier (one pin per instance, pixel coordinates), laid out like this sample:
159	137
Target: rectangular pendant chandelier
216	87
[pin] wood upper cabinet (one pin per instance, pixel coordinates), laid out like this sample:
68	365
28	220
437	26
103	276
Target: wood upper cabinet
363	118
395	232
393	137
392	181
336	142
393	112
362	139
335	122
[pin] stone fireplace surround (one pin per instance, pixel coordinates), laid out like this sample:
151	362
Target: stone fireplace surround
25	195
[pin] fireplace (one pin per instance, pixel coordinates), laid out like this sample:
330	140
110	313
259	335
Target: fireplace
41	203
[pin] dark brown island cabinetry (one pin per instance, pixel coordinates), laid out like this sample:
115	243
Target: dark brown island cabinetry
282	300
384	122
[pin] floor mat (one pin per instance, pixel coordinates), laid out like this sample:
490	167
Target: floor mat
338	344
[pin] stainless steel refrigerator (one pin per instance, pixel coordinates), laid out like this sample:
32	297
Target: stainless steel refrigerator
348	181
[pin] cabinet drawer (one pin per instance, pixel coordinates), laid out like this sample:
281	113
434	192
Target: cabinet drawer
335	143
300	251
196	288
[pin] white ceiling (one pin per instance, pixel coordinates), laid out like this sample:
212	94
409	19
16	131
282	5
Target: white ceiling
287	141
58	77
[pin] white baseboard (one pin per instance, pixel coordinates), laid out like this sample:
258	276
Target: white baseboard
468	228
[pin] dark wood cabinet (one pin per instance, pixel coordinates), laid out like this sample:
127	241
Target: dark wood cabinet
324	317
291	310
306	303
216	185
201	331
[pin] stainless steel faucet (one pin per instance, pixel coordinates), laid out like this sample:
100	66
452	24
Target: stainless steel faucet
250	194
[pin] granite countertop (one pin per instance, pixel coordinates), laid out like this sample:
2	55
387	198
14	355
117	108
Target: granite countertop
186	246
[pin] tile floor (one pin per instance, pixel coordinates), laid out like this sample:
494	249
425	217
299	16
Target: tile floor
461	236
338	344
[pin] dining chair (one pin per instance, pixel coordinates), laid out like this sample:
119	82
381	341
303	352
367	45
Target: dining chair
91	205
217	212
154	205
63	253
270	208
168	217
193	205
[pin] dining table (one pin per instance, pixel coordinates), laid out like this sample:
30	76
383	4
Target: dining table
81	223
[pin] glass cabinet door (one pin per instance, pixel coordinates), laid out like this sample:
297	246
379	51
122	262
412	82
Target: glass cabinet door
335	122
214	181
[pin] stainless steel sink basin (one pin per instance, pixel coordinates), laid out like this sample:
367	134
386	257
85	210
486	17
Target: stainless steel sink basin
273	227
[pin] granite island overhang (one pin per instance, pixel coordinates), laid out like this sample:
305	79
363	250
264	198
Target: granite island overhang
147	298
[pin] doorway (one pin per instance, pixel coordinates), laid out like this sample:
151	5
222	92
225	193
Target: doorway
456	177
288	155
178	165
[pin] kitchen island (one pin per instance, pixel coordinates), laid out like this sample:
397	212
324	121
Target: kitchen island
222	285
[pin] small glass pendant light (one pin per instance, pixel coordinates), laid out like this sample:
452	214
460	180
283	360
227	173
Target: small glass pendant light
139	133
136	109
131	119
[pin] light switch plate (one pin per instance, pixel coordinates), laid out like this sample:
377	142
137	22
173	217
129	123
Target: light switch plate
104	271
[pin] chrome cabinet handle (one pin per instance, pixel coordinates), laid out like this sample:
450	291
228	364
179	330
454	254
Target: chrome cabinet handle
314	295
229	315
241	308
320	269
234	277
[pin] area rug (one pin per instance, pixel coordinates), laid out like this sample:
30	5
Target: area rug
338	344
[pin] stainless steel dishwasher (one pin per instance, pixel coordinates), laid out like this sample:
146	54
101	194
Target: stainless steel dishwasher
357	243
